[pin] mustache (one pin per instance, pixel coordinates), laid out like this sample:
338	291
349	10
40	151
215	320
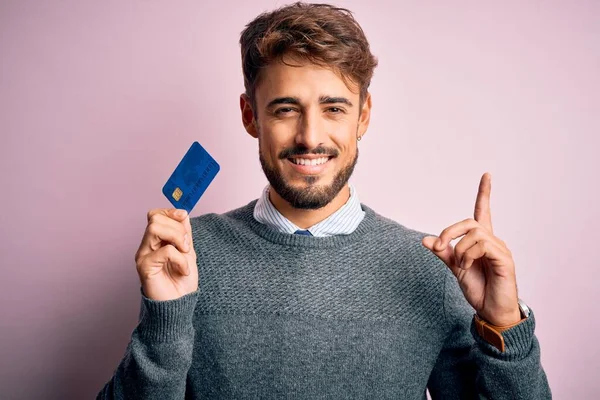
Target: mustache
299	151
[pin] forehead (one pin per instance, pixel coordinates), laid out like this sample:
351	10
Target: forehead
303	80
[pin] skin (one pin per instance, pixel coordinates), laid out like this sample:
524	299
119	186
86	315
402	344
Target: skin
166	259
481	262
304	126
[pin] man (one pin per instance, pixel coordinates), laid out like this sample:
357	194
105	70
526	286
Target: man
306	292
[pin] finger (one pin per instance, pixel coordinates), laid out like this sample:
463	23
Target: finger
482	213
166	259
455	231
169	230
187	225
446	255
164	229
473	237
174	213
480	249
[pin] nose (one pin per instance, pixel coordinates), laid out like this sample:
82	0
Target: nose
311	130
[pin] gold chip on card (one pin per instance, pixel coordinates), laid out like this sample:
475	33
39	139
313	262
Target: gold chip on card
177	194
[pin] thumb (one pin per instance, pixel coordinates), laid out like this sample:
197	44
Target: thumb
446	255
178	214
188	226
182	216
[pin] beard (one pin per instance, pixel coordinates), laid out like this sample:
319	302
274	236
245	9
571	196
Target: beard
313	196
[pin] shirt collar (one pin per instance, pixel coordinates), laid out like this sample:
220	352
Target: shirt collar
342	222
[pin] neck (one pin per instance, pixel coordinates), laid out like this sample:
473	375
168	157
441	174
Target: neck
306	218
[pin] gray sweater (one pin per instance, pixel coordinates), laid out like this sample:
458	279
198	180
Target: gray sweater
369	315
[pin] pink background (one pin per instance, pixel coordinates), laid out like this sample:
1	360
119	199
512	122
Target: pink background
100	99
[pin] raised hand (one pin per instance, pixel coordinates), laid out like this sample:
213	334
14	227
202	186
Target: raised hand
481	262
166	259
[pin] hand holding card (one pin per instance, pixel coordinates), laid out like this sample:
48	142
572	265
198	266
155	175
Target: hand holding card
166	259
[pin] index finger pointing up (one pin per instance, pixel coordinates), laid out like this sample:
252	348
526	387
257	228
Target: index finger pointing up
483	214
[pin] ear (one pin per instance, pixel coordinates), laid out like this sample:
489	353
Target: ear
248	115
364	116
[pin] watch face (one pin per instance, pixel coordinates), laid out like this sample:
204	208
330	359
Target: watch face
524	309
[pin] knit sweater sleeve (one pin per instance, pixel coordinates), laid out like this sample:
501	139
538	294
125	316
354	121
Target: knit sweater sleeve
469	367
159	354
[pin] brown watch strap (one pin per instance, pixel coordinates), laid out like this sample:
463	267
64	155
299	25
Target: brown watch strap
492	333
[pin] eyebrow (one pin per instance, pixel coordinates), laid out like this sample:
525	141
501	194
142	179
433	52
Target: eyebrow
322	100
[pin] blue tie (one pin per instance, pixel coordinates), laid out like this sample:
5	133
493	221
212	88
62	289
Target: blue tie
301	232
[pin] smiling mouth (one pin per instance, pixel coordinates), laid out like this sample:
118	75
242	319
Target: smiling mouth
312	161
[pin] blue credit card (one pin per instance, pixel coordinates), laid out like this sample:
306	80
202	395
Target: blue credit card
190	179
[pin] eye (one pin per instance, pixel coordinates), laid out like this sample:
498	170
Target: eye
283	110
336	110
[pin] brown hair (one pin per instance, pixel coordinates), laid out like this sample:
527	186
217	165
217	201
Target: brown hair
322	34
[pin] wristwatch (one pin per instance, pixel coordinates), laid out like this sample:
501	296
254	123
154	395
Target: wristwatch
492	333
525	311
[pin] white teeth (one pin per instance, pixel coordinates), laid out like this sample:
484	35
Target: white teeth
305	161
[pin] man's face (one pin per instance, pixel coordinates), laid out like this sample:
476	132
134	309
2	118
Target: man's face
307	126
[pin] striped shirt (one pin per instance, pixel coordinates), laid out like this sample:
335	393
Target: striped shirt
342	222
